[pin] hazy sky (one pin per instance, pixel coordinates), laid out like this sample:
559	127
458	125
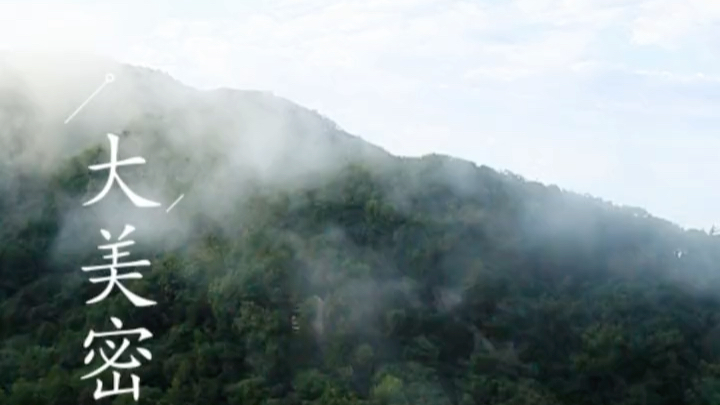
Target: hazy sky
616	98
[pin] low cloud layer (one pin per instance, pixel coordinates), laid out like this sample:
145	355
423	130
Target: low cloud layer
212	147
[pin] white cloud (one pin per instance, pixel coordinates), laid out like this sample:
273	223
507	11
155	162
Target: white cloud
666	22
573	79
55	27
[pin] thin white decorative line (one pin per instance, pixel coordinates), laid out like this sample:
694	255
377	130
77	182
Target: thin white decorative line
109	78
176	201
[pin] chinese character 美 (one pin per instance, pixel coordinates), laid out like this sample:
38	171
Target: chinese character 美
114	360
114	279
112	166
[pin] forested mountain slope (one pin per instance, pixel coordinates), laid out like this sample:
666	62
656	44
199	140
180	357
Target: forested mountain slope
305	266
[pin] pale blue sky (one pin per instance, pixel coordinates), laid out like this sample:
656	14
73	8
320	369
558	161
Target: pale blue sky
616	98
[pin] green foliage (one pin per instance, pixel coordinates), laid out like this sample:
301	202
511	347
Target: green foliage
422	282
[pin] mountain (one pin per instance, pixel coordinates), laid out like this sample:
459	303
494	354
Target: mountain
303	265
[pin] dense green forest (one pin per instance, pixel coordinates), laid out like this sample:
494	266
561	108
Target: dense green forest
376	280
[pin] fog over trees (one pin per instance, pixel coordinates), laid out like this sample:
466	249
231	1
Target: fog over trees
306	266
